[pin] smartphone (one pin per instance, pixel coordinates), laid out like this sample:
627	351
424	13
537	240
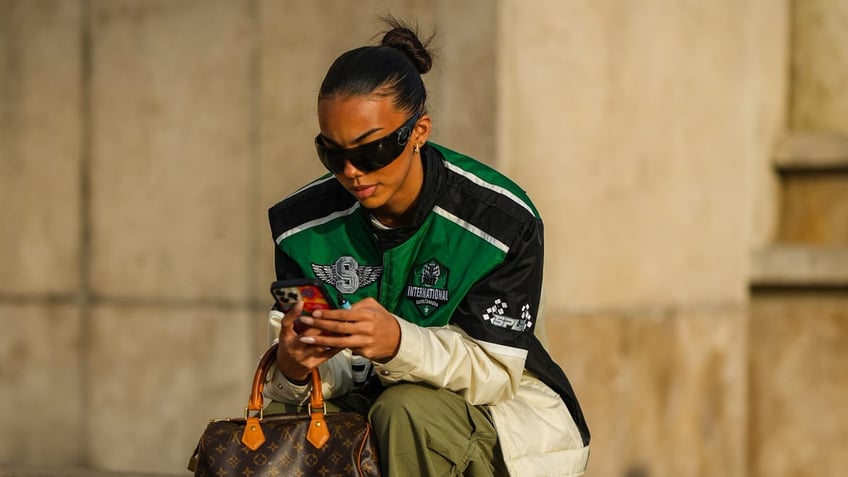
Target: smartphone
310	291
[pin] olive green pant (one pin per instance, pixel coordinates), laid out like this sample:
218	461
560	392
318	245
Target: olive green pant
424	431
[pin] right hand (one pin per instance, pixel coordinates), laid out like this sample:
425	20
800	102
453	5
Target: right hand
296	359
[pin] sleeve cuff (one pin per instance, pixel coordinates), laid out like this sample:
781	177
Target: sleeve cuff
279	388
406	362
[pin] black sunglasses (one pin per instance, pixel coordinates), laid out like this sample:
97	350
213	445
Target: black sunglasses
367	157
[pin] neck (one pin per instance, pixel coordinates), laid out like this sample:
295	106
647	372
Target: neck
395	220
400	212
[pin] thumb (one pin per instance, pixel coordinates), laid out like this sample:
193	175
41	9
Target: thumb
288	319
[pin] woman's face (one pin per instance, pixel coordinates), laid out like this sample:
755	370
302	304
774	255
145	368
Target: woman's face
348	122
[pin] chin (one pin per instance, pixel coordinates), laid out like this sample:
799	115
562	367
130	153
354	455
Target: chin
371	203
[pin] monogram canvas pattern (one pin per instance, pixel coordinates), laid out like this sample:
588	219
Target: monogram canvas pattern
351	450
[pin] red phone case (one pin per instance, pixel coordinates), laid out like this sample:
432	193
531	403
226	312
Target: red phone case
311	292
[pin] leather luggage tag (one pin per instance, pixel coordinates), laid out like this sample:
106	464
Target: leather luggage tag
318	434
253	437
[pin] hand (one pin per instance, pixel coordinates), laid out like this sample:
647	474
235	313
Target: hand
367	328
296	358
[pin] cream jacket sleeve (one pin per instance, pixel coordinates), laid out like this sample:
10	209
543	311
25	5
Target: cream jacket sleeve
446	357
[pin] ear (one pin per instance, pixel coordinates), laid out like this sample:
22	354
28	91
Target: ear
421	132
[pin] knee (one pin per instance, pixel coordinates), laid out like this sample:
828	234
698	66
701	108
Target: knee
406	402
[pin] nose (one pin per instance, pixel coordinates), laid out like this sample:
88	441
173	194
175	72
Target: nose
350	170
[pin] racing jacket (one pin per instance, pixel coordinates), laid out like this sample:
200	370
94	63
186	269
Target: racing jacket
464	283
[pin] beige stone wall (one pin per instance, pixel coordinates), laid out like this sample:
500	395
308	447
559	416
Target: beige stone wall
141	142
41	375
639	132
799	312
40	143
819	98
798	383
644	137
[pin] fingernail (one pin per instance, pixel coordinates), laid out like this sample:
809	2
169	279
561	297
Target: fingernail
307	339
306	320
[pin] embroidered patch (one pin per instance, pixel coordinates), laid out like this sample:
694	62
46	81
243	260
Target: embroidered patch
428	287
496	315
346	275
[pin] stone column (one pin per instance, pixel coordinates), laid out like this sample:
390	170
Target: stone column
41	402
637	131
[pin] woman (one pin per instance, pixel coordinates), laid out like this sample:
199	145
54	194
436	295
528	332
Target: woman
441	258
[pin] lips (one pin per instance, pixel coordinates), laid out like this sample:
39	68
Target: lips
363	192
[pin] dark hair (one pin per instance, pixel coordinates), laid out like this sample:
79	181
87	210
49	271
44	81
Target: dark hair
393	68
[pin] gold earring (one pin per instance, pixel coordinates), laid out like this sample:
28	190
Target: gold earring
415	149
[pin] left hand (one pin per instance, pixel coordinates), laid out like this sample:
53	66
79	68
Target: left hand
367	328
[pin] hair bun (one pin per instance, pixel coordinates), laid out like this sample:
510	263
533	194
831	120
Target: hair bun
404	39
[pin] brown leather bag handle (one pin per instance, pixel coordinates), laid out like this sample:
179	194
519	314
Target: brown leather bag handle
253	437
266	363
